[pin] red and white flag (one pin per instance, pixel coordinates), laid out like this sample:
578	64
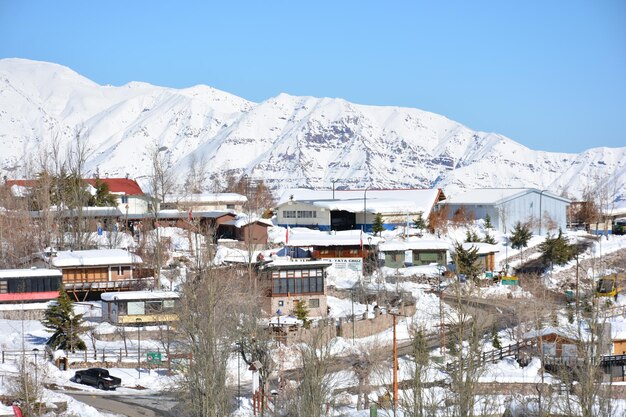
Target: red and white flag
17	411
287	236
190	215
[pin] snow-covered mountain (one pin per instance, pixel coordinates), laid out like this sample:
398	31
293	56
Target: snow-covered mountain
287	141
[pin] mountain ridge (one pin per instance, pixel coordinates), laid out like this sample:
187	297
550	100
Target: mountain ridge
288	141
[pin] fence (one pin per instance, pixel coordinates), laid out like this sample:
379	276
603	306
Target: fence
116	356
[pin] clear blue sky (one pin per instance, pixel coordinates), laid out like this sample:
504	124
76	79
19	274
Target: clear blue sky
548	74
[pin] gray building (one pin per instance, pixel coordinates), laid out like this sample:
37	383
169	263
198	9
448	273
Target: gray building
543	211
354	209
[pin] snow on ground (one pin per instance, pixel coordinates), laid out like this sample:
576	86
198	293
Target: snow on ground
508	370
342	278
504	291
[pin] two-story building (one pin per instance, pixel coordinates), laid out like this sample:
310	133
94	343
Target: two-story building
354	209
290	282
94	271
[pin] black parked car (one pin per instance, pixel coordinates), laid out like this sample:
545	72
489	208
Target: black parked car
97	377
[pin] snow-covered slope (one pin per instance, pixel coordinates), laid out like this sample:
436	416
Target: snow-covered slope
287	141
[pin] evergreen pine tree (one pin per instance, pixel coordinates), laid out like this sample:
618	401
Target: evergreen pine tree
521	235
420	223
302	312
489	239
556	250
495	339
488	222
378	227
467	261
103	196
64	324
471	236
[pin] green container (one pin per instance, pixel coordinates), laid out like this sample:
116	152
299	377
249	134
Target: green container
509	282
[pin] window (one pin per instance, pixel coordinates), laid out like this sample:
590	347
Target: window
122	309
549	349
154	306
314	303
307	214
289	214
569	351
124	199
281	303
136	308
4	288
230	206
292	283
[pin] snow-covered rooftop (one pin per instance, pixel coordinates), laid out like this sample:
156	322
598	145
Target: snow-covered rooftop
94	258
180	214
375	201
139	295
413	244
206	198
565	332
33	272
85	212
285	263
303	237
493	195
242	221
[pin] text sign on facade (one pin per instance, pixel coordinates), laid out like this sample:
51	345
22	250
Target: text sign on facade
353	264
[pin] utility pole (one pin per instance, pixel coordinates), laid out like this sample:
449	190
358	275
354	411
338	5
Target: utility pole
334	181
395	367
577	298
353	318
442	329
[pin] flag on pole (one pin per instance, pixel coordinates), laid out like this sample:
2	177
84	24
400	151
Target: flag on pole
287	236
361	240
17	411
190	215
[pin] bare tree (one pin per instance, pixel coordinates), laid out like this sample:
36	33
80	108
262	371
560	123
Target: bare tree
27	388
76	197
162	183
586	392
313	393
468	329
162	180
418	399
210	309
368	360
197	174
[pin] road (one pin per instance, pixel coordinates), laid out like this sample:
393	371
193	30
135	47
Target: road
139	405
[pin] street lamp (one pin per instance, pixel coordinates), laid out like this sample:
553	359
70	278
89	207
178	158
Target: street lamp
138	320
36	351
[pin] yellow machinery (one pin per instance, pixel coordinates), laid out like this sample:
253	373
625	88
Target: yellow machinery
610	285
